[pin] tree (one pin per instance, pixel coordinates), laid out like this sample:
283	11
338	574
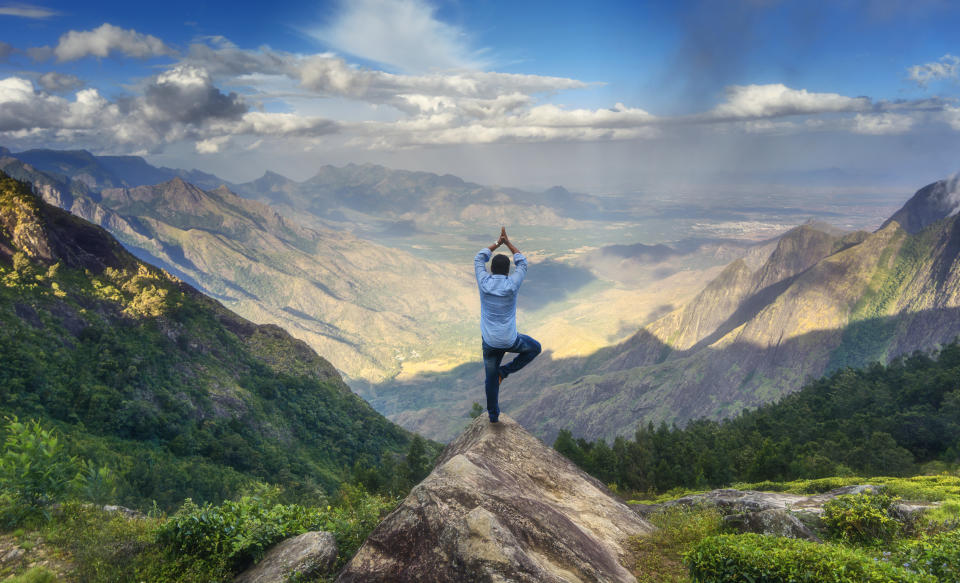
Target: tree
418	466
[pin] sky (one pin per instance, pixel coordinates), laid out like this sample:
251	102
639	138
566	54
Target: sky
599	96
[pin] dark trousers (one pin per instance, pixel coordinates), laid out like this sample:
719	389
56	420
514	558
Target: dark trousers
526	348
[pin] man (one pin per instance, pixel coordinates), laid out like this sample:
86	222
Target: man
498	318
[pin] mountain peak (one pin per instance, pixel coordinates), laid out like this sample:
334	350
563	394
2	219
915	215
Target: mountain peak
930	204
501	506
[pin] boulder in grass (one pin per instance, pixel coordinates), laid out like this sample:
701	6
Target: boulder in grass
501	506
306	555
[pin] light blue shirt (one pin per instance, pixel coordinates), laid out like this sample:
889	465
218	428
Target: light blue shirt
498	300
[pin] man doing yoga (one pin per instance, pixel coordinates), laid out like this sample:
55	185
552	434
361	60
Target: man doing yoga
498	318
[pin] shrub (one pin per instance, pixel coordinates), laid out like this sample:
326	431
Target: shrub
235	533
34	575
937	555
219	540
35	471
752	557
861	518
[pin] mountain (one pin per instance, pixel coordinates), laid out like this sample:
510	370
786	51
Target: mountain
99	172
369	192
813	301
820	302
354	301
178	395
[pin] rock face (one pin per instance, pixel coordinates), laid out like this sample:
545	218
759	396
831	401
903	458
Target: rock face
311	553
501	506
779	514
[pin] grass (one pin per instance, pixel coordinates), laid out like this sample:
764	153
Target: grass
659	557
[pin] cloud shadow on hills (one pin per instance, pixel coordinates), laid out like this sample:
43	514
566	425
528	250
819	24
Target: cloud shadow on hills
546	396
551	281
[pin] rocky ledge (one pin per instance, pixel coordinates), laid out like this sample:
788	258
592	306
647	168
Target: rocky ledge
501	506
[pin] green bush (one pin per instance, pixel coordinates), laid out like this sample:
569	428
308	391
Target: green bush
35	471
219	540
235	533
861	519
753	557
937	555
34	575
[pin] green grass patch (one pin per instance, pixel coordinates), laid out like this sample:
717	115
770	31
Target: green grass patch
659	557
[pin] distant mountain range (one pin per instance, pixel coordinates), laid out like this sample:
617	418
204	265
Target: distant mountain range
349	298
822	301
180	396
819	300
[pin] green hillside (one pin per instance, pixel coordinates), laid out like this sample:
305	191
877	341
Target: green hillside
880	421
148	376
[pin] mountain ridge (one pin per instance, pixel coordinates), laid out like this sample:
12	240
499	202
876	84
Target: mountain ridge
184	397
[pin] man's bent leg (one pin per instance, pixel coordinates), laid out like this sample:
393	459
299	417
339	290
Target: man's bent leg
527	349
492	357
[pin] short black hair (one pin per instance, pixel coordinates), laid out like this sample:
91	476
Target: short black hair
500	264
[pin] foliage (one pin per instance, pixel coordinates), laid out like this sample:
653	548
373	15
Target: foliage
882	420
203	542
751	557
35	471
34	575
225	539
937	555
106	546
235	533
861	518
476	410
178	397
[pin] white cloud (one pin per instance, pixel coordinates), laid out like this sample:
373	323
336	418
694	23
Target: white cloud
404	34
180	104
212	145
778	100
882	124
947	68
57	82
26	11
6	49
951	116
107	38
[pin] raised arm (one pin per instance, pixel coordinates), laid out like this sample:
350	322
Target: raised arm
479	262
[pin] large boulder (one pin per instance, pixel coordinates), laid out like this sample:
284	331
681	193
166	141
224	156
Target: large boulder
307	555
501	506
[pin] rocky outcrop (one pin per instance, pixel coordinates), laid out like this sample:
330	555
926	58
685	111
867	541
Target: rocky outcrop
779	514
501	506
304	556
771	522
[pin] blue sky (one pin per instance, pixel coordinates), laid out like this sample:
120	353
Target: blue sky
591	95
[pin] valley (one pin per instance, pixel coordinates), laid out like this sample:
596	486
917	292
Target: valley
370	266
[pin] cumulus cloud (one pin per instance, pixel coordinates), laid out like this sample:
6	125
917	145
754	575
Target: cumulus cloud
180	104
26	11
107	38
59	82
948	67
404	34
23	107
186	94
778	100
